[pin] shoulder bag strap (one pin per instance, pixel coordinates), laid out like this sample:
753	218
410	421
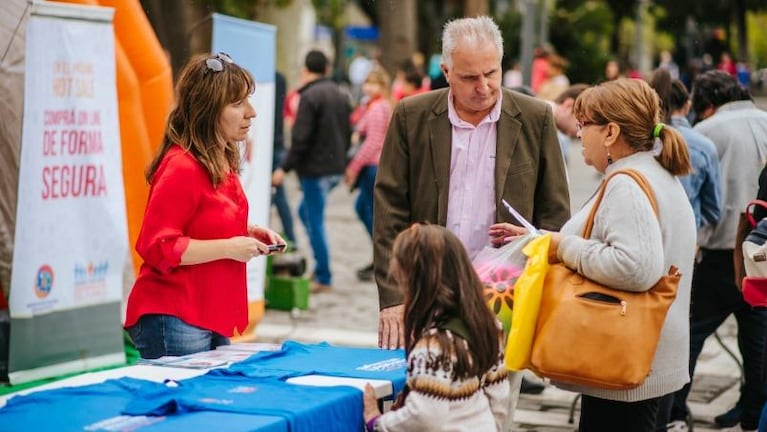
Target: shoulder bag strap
638	177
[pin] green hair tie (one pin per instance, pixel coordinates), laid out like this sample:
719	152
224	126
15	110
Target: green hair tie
656	132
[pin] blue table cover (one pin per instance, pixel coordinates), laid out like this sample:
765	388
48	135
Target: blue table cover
324	359
306	408
97	407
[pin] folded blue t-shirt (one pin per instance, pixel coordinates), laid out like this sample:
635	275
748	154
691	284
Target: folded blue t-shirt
97	407
306	408
324	359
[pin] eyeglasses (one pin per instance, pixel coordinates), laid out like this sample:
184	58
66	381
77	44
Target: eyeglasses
579	125
216	63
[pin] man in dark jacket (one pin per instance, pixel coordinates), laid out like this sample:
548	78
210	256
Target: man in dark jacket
320	139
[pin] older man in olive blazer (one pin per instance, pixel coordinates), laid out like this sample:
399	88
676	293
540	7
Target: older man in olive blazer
414	172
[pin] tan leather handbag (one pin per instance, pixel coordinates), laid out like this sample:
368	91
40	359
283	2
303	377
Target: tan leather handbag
596	336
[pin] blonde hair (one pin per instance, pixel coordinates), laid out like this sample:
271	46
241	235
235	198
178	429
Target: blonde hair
635	107
379	76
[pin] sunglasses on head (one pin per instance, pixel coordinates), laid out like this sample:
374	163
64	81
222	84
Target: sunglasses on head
216	63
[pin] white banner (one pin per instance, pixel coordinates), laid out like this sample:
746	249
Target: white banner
71	231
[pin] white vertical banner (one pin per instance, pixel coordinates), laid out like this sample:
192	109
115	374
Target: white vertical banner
71	231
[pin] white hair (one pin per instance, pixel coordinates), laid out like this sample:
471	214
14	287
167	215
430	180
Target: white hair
472	31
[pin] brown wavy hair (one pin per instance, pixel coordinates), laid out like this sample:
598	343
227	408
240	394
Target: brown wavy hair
201	96
634	106
433	269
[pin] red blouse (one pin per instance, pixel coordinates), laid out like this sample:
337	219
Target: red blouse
184	205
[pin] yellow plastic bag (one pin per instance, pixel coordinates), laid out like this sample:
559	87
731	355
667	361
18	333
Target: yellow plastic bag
527	301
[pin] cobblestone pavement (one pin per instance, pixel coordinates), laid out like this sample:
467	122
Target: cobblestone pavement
348	314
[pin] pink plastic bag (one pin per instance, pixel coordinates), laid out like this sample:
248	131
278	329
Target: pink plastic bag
499	269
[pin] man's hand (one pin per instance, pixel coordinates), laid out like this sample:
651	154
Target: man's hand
391	329
503	232
350	177
278	176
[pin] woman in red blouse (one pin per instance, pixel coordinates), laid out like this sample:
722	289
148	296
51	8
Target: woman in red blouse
370	128
190	294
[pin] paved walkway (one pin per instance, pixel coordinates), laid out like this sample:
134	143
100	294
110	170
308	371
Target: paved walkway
349	314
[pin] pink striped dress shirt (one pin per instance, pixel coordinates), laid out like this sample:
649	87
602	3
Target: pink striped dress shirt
471	197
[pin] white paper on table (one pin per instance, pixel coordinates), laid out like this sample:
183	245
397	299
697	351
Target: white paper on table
382	388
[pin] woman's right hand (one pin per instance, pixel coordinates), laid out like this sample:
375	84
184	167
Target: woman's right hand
243	248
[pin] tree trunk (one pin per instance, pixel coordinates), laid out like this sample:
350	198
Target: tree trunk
527	40
740	23
182	26
398	32
473	8
543	27
430	19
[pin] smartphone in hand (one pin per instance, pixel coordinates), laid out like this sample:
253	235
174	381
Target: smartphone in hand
279	247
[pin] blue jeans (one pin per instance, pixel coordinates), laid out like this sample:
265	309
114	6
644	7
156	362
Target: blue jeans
280	200
166	335
312	214
364	204
714	298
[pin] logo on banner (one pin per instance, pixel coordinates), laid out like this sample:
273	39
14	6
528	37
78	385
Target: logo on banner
90	280
43	281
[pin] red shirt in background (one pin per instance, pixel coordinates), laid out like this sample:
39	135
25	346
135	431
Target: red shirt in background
539	73
290	107
184	205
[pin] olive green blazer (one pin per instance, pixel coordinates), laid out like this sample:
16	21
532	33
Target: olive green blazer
413	176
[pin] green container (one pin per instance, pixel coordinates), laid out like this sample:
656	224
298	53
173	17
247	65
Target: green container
287	293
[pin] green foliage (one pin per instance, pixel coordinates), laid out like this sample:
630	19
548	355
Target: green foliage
240	8
662	40
757	39
235	8
511	30
330	12
581	34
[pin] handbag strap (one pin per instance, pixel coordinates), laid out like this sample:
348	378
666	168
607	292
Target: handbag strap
750	212
638	177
